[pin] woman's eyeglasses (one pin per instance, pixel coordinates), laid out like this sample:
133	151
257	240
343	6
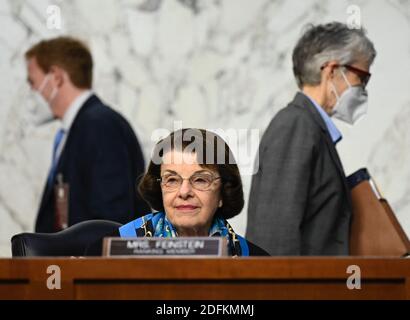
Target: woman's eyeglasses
198	181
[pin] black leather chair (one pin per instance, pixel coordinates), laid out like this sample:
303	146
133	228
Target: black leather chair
84	238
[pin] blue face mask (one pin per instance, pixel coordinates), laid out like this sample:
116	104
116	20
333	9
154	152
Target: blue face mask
351	105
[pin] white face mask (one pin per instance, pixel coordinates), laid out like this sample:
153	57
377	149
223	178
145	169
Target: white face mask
41	112
351	105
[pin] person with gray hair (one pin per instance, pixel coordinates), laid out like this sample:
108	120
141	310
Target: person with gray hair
299	202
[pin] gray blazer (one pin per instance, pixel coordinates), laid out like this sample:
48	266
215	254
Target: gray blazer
299	201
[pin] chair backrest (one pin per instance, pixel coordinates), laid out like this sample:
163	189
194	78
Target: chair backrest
73	241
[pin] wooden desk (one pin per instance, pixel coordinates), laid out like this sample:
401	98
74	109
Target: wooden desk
244	278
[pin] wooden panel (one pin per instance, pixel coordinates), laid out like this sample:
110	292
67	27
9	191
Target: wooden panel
12	290
226	278
251	291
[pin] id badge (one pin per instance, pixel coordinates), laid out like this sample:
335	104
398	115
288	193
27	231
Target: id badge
61	192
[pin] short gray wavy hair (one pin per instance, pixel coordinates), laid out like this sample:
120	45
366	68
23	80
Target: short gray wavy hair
332	41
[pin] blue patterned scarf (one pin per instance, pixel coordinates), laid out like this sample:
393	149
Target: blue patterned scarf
157	225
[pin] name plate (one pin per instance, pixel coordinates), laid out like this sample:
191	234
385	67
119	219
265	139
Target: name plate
165	247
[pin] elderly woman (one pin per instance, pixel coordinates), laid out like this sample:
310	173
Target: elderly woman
194	184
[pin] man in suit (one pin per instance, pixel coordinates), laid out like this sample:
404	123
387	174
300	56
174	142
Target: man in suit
96	152
299	201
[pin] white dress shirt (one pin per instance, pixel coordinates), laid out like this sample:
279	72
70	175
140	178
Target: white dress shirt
69	117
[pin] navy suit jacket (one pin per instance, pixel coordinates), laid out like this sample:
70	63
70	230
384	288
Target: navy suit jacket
101	162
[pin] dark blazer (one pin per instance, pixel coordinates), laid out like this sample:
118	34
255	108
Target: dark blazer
299	201
101	162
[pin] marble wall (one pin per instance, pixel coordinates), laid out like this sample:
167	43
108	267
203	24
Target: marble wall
204	63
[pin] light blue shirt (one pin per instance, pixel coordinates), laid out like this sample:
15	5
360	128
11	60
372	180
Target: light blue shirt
333	131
